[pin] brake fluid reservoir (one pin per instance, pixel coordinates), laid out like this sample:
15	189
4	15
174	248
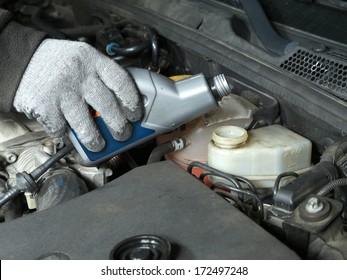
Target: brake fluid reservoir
260	154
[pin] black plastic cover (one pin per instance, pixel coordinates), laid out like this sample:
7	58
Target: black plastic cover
158	199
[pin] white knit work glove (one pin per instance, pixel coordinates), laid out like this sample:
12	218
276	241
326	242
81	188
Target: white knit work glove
63	78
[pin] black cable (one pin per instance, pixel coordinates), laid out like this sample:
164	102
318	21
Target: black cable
266	195
247	182
332	185
228	195
9	195
245	192
238	189
38	172
155	48
150	41
236	180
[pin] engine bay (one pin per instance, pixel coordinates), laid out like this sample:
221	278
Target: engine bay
266	170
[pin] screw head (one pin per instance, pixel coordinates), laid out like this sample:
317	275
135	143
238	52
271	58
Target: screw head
11	157
314	205
315	209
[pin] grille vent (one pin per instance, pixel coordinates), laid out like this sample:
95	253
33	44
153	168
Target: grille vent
329	74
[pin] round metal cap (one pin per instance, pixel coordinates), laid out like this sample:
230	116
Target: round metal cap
142	247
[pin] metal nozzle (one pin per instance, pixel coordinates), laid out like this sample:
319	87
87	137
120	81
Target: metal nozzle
220	87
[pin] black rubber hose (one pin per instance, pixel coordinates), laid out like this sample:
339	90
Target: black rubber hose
81	31
152	35
151	41
133	50
9	195
167	147
264	30
159	151
155	49
45	27
332	185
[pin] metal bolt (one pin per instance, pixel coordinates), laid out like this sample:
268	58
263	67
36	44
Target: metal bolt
314	206
11	157
58	142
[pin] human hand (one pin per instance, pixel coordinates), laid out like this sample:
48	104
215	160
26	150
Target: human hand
64	78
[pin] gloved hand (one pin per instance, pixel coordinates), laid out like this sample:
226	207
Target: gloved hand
63	77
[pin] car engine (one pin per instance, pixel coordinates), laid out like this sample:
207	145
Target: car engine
262	176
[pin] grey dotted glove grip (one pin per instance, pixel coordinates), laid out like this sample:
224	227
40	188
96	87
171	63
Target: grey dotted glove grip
64	78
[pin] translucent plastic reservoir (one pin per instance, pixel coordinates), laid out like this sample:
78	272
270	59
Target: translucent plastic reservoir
260	154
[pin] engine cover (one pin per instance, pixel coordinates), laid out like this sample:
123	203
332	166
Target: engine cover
159	199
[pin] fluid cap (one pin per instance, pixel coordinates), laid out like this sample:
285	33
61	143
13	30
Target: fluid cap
220	87
229	137
142	247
